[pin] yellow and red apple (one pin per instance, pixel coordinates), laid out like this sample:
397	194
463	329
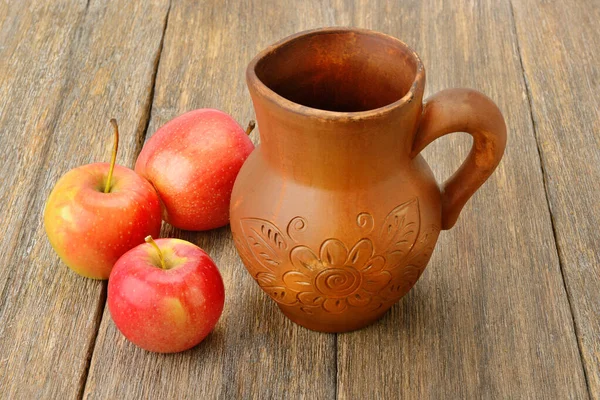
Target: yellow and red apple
97	212
166	295
193	161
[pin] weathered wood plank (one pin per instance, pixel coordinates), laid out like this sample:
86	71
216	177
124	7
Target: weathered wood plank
254	351
65	69
490	317
560	48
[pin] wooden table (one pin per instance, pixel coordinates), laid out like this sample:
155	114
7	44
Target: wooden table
509	306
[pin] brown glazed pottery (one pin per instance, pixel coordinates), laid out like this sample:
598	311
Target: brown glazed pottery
336	214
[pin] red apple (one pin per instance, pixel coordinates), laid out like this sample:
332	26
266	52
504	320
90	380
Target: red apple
97	212
193	161
165	296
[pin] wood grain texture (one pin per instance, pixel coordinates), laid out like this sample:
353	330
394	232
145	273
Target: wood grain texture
561	58
490	316
254	351
65	69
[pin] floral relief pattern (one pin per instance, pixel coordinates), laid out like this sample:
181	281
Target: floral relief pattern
335	276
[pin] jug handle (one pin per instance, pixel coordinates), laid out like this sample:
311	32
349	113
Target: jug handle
463	110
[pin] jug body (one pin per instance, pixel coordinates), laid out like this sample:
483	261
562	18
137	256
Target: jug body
335	260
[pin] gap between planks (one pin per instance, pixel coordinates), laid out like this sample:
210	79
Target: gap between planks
545	183
141	134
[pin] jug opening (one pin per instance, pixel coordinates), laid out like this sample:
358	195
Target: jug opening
342	71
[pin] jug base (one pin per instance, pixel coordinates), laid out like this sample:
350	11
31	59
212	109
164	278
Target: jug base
331	325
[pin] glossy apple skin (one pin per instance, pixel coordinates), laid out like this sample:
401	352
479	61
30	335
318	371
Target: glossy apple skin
90	229
193	161
166	310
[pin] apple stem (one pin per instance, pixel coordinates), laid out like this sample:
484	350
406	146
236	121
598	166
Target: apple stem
114	155
250	127
151	241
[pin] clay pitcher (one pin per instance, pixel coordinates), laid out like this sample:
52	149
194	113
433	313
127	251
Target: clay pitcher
335	214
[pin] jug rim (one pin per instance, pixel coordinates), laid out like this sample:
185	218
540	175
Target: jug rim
254	81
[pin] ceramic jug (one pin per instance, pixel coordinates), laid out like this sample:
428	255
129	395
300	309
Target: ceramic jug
336	214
